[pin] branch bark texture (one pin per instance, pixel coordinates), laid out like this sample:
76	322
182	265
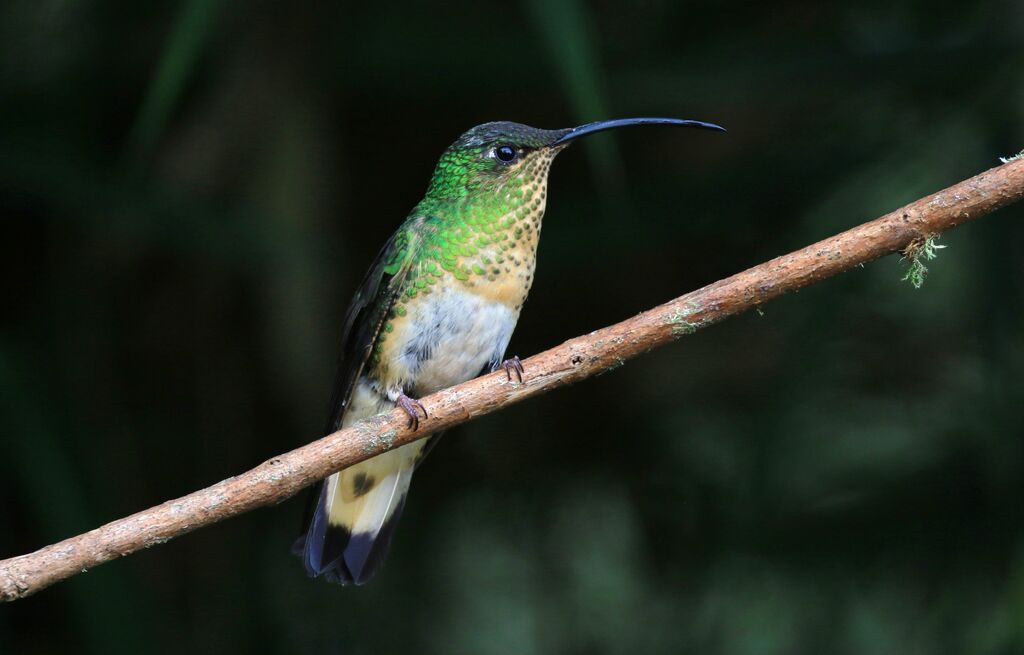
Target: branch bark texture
281	477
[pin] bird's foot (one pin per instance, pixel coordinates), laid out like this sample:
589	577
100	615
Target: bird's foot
510	366
413	408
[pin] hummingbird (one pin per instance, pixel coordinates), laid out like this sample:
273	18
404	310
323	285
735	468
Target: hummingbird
437	308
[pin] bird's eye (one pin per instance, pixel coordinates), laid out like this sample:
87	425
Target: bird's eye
506	154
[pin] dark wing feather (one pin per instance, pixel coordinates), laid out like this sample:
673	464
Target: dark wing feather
366	315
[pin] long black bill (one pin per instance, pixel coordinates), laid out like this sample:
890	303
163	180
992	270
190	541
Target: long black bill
601	126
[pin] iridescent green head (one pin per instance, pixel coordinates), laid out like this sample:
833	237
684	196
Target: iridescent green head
495	155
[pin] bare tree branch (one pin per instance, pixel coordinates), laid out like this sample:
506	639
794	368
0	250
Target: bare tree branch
281	477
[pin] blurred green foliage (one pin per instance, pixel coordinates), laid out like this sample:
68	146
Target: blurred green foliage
191	190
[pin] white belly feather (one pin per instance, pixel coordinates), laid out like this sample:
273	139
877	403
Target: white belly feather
450	337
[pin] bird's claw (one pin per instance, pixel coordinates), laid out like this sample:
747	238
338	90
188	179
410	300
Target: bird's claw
510	365
412	407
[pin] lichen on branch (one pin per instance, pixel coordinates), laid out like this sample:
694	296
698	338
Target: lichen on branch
917	252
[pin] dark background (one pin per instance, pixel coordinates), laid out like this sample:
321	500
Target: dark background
190	192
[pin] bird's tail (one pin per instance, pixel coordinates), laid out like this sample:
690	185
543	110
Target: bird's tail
350	527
